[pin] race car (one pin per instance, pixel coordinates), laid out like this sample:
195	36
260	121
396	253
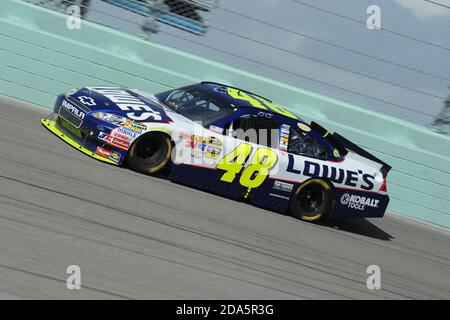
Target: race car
228	141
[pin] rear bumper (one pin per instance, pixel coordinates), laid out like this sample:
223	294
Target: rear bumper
359	204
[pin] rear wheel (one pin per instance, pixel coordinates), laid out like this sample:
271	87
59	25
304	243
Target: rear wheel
150	153
312	200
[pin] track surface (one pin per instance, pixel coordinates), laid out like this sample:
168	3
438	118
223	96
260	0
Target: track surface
137	237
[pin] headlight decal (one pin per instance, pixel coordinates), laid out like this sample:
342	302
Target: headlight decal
110	118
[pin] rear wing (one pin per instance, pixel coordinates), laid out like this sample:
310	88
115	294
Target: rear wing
358	150
329	138
343	145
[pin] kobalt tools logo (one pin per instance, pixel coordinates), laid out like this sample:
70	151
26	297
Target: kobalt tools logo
358	202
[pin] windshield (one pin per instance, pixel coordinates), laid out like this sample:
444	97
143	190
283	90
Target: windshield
196	104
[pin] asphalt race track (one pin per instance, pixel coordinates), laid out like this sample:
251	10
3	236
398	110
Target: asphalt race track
141	237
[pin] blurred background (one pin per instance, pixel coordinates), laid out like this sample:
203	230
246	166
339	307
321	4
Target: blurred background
401	69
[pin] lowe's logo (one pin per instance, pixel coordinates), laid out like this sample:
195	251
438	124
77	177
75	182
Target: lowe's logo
336	175
139	111
74	110
358	202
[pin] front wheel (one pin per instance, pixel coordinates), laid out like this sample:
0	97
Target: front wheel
312	200
150	153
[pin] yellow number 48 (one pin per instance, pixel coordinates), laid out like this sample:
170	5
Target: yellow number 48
254	174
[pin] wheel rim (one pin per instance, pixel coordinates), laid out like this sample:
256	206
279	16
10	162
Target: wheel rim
311	198
150	151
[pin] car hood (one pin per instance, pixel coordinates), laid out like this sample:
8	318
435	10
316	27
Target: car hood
134	104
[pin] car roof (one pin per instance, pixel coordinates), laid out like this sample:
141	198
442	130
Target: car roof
221	90
221	85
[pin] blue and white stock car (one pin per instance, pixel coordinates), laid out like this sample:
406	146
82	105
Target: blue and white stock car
227	141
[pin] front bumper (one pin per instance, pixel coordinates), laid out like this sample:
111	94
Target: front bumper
87	145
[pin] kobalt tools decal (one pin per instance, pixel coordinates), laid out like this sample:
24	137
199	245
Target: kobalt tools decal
358	202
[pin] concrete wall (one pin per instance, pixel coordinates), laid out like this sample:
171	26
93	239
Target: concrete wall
40	58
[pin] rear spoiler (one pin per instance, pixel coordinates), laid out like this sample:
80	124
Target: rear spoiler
330	138
343	145
358	150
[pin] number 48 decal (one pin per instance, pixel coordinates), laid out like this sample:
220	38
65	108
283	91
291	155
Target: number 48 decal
255	173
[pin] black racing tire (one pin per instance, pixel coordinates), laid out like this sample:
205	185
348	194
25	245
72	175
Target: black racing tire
150	153
312	200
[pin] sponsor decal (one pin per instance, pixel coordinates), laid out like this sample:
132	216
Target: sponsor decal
214	141
115	156
350	178
185	136
207	140
212	152
304	127
105	137
102	152
284	137
125	134
216	129
138	110
120	136
285	129
72	109
115	140
134	126
200	141
283	186
102	136
201	146
209	146
358	202
265	115
88	101
122	144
